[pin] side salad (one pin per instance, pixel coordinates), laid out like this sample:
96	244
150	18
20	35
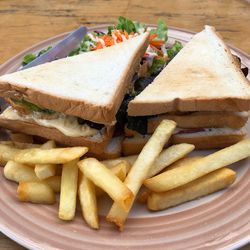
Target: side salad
156	57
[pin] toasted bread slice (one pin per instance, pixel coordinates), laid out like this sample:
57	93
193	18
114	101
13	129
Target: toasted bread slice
208	139
211	138
96	144
90	85
203	76
202	119
198	119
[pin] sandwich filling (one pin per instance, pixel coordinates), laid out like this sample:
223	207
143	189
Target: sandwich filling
187	121
68	125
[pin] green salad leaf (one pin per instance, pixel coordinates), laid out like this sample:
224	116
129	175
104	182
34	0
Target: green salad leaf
30	57
33	107
84	46
161	30
44	51
125	24
157	65
110	29
173	51
140	27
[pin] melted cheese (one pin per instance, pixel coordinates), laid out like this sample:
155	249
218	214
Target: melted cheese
66	124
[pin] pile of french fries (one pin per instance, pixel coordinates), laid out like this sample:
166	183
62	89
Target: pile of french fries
168	176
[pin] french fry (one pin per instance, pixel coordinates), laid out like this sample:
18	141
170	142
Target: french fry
141	168
166	157
22	173
49	144
19	137
19	172
212	182
7	153
176	177
170	155
184	161
68	192
120	170
144	195
106	180
49	156
36	192
88	202
54	182
44	171
113	162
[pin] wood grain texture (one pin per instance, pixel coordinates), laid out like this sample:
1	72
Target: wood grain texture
26	22
7	244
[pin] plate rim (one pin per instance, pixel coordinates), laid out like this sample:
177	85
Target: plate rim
29	243
102	26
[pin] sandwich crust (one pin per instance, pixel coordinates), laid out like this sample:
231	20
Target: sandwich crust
201	140
96	106
202	120
95	145
204	76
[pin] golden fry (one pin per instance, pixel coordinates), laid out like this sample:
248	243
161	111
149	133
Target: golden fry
88	202
170	155
113	162
141	168
49	156
19	172
120	170
144	195
36	192
54	182
68	192
106	180
166	157
207	184
182	162
44	171
7	153
173	178
49	144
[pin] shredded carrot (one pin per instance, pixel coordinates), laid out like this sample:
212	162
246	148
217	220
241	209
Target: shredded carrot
108	40
157	43
152	36
99	45
118	35
126	34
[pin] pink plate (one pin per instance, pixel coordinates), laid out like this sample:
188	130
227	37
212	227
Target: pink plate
218	221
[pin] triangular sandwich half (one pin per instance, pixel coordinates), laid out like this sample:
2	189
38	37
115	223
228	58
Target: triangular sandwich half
73	100
203	76
203	89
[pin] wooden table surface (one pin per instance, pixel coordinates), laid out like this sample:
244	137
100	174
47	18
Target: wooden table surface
26	22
